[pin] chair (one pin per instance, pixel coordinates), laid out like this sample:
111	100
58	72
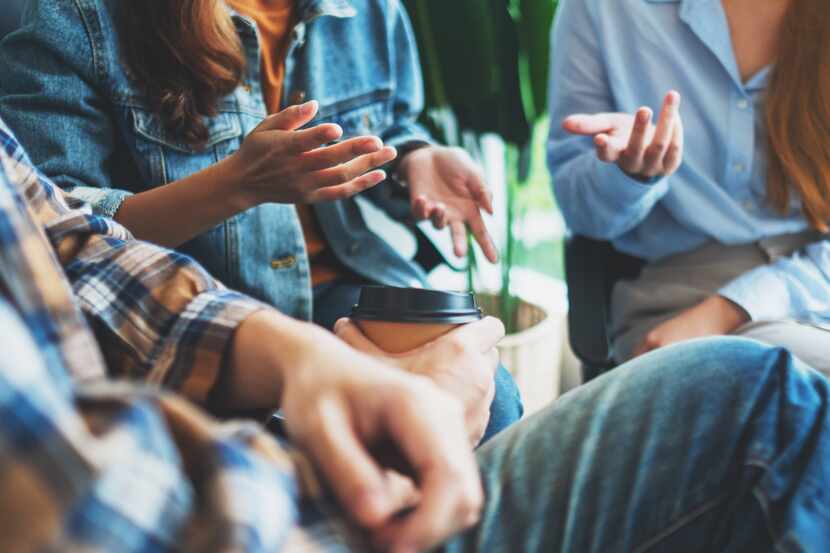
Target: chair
592	268
10	16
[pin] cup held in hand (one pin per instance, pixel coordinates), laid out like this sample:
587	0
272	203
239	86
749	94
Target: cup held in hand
398	320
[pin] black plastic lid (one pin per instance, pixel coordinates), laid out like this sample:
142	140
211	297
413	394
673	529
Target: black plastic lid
415	305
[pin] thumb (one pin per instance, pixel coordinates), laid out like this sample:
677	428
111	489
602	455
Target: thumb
588	125
348	331
290	119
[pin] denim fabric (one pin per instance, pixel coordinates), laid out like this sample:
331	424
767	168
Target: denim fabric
717	445
336	299
62	72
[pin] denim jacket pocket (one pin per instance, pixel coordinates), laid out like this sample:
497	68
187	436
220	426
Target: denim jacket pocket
164	158
360	115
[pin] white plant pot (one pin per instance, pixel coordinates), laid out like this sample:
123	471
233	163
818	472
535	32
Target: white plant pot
534	354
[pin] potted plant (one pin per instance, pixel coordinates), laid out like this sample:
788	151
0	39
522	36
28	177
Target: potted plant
492	78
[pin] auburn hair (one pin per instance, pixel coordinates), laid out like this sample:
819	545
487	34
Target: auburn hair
798	114
185	55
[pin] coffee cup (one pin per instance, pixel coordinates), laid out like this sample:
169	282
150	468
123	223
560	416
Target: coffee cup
398	320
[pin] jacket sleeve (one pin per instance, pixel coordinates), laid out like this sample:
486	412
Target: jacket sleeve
407	106
597	199
52	90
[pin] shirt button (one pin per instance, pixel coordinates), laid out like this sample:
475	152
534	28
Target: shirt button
298	97
284	262
743	104
748	205
740	167
354	248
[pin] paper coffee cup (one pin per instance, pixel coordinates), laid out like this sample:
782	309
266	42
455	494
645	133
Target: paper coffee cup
398	320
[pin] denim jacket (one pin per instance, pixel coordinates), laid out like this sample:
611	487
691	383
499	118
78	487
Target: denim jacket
65	92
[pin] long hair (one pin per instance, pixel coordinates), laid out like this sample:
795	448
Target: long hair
185	55
798	114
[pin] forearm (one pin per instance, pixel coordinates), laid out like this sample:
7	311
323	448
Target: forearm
266	348
171	215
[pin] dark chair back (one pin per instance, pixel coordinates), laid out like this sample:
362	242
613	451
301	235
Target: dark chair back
592	268
10	16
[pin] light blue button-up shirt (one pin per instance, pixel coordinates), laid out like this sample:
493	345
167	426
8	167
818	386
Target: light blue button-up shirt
618	55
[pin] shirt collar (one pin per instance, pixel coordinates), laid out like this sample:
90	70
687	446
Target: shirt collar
309	10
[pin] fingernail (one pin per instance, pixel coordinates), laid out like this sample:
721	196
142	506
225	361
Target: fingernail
308	108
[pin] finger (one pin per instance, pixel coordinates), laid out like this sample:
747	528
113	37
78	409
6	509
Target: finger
347	190
439	216
451	495
421	208
653	158
349	332
480	193
631	158
290	119
674	157
346	172
458	231
605	149
344	152
357	481
311	139
482	336
482	236
588	125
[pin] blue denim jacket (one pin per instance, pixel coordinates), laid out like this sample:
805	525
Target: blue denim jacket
65	92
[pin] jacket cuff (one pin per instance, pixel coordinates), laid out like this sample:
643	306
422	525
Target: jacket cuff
104	201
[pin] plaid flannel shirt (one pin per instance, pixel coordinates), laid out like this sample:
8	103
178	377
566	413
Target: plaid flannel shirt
90	463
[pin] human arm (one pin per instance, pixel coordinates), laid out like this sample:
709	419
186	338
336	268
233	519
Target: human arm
56	92
795	287
598	199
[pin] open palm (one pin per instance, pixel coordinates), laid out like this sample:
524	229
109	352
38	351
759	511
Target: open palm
447	187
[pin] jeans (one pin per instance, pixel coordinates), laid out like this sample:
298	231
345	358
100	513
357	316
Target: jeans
718	445
335	300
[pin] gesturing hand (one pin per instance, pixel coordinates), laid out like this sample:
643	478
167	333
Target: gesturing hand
639	148
340	405
447	187
715	316
278	163
462	362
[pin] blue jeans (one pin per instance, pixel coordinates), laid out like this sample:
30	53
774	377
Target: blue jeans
335	300
712	446
718	445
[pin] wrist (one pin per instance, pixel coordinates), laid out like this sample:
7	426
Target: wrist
236	183
408	156
268	348
732	315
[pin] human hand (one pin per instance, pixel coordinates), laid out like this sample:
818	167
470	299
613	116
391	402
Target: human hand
279	163
447	187
639	148
341	405
462	363
715	316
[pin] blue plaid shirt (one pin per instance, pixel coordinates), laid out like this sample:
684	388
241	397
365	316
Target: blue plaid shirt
95	454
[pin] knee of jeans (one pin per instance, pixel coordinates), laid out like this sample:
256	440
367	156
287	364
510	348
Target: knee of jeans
728	360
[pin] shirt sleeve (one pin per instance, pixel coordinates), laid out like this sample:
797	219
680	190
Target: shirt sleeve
158	315
114	467
795	287
597	199
51	72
